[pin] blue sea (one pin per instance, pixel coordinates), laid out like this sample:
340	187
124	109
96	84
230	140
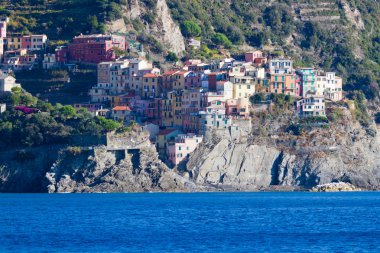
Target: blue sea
204	222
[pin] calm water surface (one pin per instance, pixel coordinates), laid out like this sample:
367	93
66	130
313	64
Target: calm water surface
210	222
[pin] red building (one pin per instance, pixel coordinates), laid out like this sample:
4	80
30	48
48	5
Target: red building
61	54
214	78
95	48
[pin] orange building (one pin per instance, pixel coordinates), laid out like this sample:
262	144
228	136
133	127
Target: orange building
283	84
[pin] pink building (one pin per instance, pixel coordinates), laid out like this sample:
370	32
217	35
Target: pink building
182	147
251	56
192	80
209	97
3	27
238	107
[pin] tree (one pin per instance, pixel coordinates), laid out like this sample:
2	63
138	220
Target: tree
221	40
107	124
257	98
93	23
172	57
190	29
68	111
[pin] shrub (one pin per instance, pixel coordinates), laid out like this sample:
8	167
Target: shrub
172	57
74	150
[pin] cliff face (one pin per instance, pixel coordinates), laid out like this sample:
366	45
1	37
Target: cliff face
264	157
128	164
163	27
342	153
101	170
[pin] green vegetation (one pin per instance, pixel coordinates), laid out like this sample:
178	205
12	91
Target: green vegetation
221	40
52	125
190	29
61	20
361	113
172	57
257	98
58	85
335	44
283	26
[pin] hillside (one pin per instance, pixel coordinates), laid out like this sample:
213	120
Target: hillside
343	35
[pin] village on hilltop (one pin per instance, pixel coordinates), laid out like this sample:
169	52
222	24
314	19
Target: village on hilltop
178	106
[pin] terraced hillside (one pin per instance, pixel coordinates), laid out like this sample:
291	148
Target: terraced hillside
343	35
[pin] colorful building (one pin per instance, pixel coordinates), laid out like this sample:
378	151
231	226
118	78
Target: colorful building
164	137
151	86
311	106
307	80
243	86
182	147
252	56
281	66
283	84
121	113
330	86
95	48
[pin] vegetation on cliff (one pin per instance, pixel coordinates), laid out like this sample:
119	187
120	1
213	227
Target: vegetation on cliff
54	124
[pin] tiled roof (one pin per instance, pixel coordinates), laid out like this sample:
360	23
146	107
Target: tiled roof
150	75
171	72
121	108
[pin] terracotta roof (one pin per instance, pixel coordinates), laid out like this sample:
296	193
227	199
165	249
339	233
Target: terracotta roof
151	75
170	72
181	72
121	108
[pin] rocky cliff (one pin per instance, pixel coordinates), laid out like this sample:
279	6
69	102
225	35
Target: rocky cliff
162	27
58	169
102	170
341	153
265	156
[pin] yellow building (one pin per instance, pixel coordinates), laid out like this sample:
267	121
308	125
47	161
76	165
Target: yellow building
243	87
151	86
167	110
178	81
171	107
12	43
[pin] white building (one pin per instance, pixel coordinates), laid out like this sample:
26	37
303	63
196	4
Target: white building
330	86
214	117
281	66
7	82
225	87
194	43
49	61
311	106
255	72
3	108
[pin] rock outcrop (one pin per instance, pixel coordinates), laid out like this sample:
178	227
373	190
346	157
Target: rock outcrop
163	28
335	187
342	153
102	170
